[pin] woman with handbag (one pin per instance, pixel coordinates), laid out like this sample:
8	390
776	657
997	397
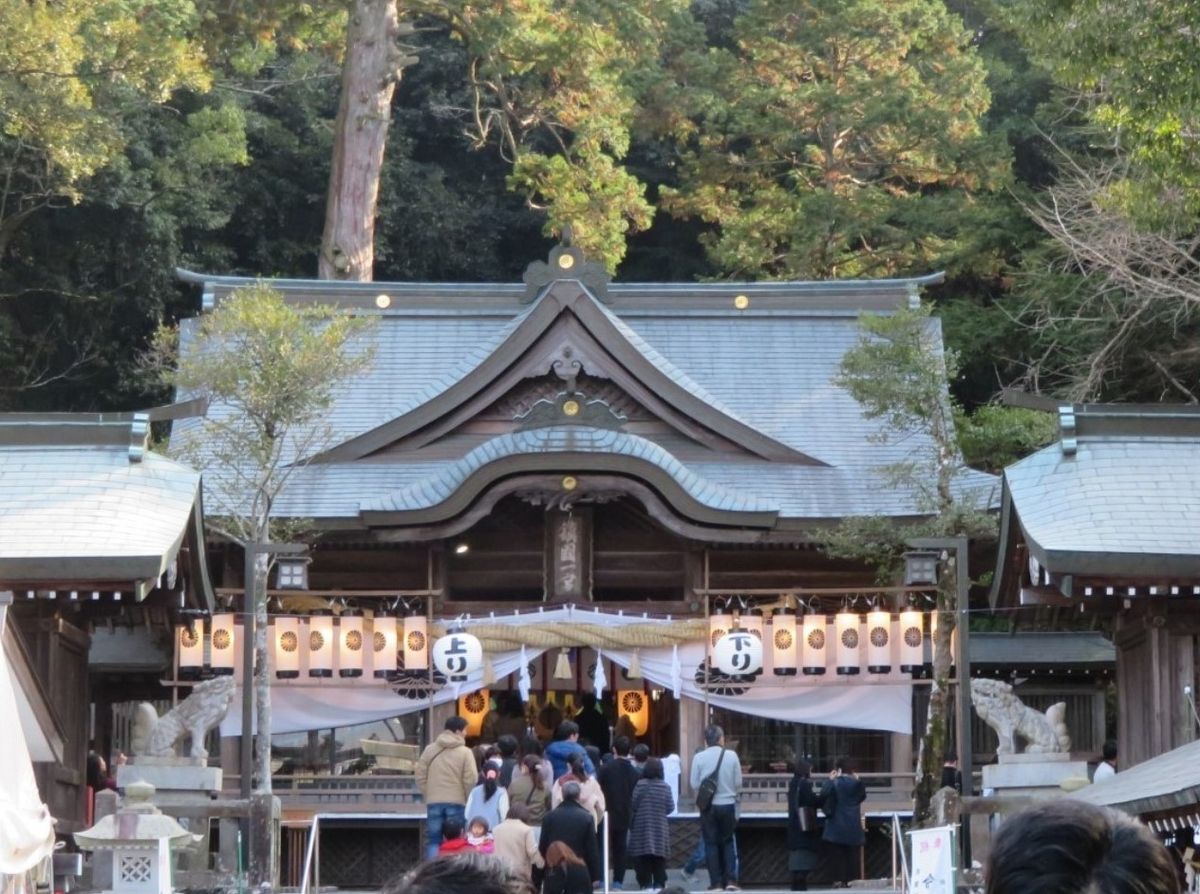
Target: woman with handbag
803	836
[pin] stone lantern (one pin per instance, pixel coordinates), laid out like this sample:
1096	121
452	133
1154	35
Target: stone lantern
141	839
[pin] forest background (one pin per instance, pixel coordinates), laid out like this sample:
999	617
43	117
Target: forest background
1045	153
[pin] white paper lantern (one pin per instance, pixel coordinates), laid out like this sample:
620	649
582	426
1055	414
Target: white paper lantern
285	642
474	707
752	621
384	646
814	647
350	646
879	642
849	643
416	643
191	650
634	704
783	642
719	624
738	653
912	641
320	646
457	655
222	644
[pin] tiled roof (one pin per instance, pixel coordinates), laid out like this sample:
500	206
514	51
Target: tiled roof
440	485
90	511
1122	504
771	367
1167	782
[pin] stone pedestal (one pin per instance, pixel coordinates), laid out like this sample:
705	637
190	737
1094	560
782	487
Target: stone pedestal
1032	775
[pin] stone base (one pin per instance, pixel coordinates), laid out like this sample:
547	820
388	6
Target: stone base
1032	775
171	778
171	760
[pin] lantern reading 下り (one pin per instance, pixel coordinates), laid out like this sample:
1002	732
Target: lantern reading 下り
739	653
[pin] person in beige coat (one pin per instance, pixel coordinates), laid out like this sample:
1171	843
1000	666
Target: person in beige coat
446	773
517	843
591	795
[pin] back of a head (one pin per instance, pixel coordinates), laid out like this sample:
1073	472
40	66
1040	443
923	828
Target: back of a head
576	765
641	751
532	745
621	746
593	754
571	791
451	828
559	852
1110	750
713	735
460	874
588	701
844	764
1071	847
518	811
565	730
507	745
653	768
456	724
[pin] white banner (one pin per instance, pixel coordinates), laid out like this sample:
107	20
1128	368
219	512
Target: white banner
867	701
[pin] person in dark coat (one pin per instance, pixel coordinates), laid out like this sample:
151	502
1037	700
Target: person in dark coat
593	727
566	873
649	835
617	779
574	825
803	836
841	799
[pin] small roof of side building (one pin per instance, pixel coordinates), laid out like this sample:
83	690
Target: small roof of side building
1117	498
1169	783
715	404
85	505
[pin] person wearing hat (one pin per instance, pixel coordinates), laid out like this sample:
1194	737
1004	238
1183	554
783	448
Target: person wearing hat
445	775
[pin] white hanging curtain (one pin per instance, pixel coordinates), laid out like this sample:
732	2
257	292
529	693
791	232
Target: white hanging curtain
26	828
875	702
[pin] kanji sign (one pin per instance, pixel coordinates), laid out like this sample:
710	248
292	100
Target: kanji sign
932	861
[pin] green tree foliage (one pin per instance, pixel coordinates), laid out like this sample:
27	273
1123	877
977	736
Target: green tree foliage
834	138
69	75
273	369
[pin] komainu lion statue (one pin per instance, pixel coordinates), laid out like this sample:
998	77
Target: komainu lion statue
155	736
1010	718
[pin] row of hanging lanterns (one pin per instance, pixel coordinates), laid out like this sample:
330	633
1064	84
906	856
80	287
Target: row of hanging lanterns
316	644
802	645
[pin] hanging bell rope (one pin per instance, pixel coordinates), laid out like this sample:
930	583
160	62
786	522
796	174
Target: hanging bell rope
566	635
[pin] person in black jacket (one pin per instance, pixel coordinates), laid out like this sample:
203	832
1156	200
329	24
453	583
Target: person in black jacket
565	872
574	825
593	727
803	836
841	797
617	779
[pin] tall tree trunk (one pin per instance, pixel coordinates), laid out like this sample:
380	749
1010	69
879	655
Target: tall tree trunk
369	75
932	749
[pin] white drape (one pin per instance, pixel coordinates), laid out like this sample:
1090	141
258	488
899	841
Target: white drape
26	828
875	702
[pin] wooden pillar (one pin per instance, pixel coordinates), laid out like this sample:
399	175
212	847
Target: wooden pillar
1155	661
691	737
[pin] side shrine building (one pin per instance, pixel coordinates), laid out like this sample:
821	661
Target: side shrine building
595	479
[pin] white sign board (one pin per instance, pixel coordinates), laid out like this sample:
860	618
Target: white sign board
932	861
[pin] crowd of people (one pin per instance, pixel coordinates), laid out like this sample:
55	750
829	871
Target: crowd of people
519	818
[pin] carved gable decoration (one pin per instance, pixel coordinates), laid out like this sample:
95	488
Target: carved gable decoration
566	262
570	408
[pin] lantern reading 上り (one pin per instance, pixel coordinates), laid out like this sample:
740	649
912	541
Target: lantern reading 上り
457	655
383	645
879	642
416	643
285	641
813	648
849	647
320	646
739	653
222	643
783	642
350	646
